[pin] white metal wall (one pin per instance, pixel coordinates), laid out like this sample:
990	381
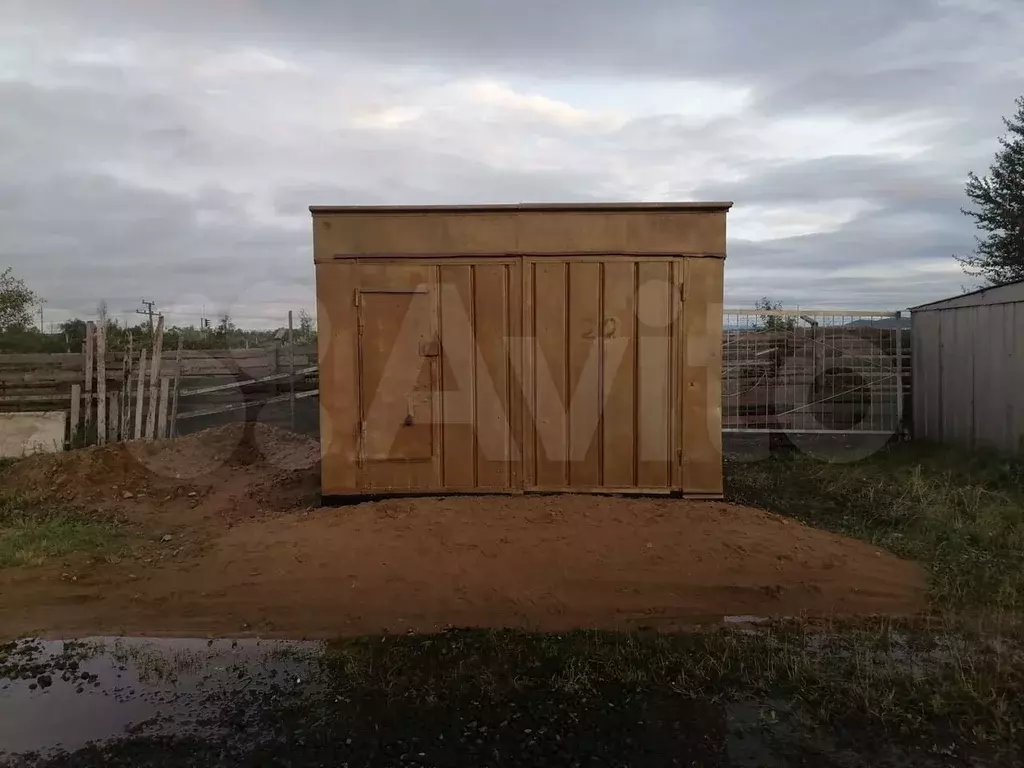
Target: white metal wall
968	374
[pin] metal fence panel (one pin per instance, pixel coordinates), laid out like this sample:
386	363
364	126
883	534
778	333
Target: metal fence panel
812	371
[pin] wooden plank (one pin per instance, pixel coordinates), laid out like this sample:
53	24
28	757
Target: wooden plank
241	406
90	335
163	405
619	375
71	366
49	378
101	384
140	394
154	378
114	420
491	336
75	421
247	382
549	394
458	377
176	386
126	390
655	304
72	361
584	353
291	370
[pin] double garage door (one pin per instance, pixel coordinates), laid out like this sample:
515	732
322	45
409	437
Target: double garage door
516	374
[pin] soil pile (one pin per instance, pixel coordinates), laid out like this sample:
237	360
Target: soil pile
543	562
245	462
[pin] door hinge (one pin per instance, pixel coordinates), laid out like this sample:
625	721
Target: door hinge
682	291
355	298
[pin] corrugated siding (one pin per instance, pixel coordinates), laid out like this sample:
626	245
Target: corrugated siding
600	373
969	375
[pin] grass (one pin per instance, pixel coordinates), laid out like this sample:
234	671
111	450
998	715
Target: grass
34	533
960	514
920	686
942	688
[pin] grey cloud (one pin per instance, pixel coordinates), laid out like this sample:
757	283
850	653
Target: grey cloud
78	232
660	37
83	238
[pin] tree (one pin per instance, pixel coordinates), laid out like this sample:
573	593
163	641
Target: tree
16	302
999	209
772	322
74	333
306	330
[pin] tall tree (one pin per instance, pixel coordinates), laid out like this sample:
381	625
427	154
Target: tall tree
16	302
998	209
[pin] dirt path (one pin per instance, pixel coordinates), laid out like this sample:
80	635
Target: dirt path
250	553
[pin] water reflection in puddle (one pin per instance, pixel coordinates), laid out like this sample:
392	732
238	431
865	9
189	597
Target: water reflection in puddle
63	695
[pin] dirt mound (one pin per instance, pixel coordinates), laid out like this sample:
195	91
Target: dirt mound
540	562
241	458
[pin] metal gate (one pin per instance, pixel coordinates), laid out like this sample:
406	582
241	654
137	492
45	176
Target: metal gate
813	371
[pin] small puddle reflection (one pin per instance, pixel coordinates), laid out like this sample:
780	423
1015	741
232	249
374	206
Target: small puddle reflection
284	697
64	694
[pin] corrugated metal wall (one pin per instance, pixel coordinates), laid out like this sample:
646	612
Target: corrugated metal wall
968	373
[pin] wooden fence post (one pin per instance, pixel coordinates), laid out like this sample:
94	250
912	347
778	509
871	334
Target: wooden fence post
90	331
140	394
161	426
114	425
177	383
101	385
154	378
291	372
126	391
76	414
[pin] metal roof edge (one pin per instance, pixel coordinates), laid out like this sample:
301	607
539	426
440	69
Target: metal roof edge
720	206
985	289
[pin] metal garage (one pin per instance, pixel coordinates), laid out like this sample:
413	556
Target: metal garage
520	348
968	368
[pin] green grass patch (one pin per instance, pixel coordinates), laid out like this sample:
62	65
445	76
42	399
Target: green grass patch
33	533
959	513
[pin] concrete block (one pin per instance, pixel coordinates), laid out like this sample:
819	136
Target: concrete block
31	432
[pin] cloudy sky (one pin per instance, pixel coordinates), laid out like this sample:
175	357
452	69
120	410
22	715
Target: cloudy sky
169	150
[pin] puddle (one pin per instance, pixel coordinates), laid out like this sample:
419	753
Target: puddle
228	701
67	694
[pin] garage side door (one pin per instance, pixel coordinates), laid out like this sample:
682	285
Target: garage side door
397	379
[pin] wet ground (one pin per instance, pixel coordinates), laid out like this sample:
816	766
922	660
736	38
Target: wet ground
123	701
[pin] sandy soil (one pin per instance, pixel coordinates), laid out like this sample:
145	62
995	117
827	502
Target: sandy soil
231	540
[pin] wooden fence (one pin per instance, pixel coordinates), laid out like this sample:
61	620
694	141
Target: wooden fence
150	393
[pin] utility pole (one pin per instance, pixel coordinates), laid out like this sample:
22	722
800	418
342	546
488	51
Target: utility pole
41	330
147	311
